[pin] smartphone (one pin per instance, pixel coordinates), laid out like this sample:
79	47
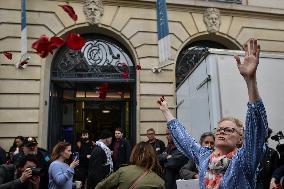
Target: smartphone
76	156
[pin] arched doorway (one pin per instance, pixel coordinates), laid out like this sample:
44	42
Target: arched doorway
76	77
194	86
196	50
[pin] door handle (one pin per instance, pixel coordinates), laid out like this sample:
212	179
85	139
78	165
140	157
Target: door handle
207	79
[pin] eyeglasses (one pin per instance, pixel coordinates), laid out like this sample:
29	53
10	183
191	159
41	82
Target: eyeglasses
226	130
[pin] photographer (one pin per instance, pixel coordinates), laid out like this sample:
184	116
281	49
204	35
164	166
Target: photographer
268	164
22	176
30	146
280	146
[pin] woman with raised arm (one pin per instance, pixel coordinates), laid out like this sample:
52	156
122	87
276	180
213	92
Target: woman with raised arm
229	167
60	173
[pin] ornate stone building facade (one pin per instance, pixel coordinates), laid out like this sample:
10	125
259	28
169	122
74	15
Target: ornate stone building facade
25	101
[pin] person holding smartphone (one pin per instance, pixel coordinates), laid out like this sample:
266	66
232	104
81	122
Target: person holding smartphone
60	173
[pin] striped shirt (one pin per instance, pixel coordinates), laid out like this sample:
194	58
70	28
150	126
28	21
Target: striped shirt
242	170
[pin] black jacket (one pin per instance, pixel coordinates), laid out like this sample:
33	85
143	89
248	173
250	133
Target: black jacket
188	170
123	154
158	145
172	165
85	149
278	174
2	156
267	166
43	159
98	170
8	180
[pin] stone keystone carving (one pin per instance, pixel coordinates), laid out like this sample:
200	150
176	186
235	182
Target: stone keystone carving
212	19
94	10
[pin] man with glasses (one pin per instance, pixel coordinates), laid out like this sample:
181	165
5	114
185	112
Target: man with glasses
158	145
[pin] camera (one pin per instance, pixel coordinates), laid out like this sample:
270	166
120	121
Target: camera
36	171
278	136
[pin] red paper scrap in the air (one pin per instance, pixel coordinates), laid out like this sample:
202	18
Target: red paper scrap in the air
138	67
102	95
43	45
23	63
70	11
125	74
103	90
8	55
55	42
75	41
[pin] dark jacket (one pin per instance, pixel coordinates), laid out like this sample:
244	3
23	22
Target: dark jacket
158	145
85	149
268	164
188	170
2	156
43	159
123	153
9	180
172	165
278	174
98	170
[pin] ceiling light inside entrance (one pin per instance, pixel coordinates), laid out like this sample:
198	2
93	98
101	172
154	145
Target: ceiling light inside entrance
105	111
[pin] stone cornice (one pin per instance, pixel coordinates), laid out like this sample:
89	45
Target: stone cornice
198	6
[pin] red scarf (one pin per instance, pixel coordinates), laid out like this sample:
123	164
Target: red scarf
216	169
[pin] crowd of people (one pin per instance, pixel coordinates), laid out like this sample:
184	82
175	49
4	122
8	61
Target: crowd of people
232	156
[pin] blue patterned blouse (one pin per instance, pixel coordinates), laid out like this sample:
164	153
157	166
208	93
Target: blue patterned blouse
241	173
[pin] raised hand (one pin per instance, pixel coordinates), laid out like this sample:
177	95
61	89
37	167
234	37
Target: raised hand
74	164
164	108
249	66
163	103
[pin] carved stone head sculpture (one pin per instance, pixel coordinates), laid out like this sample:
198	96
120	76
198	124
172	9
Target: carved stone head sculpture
212	19
94	10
